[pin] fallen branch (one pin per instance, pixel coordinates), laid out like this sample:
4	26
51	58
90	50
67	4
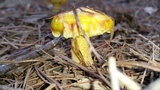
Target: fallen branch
4	68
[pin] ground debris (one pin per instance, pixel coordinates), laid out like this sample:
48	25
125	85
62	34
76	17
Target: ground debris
31	58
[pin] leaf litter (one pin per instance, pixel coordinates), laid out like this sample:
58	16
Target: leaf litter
31	58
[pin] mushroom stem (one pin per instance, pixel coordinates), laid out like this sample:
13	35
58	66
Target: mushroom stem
80	51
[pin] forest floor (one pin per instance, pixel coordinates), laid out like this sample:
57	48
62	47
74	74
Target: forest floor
31	58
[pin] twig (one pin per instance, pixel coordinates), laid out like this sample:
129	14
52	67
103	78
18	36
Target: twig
33	54
39	74
72	63
138	54
87	39
10	43
145	71
5	49
26	78
48	78
113	74
50	87
39	29
16	62
92	74
139	64
128	82
157	47
8	28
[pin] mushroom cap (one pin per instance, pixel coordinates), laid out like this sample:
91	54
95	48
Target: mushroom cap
93	23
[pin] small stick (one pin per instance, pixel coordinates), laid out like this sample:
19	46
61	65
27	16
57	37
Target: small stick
33	54
139	64
87	39
128	82
25	82
113	74
10	43
91	73
51	81
149	41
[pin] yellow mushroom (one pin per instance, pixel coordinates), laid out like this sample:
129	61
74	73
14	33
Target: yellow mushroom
93	22
57	4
